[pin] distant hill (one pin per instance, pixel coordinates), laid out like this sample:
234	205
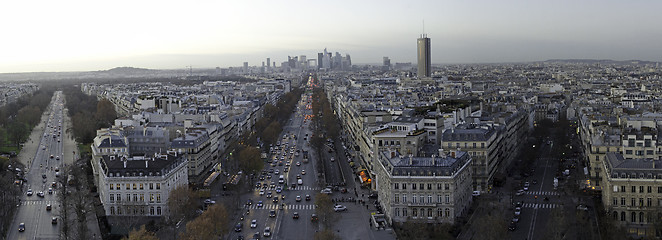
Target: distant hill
127	70
603	61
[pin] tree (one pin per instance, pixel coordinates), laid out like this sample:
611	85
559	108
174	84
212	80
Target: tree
17	132
557	225
326	234
141	234
198	229
324	210
181	202
105	112
249	159
491	227
218	216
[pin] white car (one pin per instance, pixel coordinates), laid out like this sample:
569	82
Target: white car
267	231
518	211
326	190
519	192
339	208
253	223
261	192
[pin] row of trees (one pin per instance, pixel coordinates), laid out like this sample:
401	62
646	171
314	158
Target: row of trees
9	196
88	114
19	117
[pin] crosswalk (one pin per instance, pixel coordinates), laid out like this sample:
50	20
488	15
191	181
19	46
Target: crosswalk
541	205
37	202
297	188
539	193
289	206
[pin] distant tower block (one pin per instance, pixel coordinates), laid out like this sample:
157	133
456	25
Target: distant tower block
424	58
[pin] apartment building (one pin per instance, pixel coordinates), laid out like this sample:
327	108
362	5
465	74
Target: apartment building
139	185
424	189
482	143
632	192
195	145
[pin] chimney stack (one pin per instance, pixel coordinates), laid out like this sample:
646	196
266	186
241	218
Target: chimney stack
147	163
124	163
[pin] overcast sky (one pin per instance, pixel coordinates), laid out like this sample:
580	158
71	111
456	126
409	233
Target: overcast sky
46	35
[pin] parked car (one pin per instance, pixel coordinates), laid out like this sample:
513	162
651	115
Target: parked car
339	208
519	192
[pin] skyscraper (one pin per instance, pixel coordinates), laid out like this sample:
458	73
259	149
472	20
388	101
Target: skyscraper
424	60
268	63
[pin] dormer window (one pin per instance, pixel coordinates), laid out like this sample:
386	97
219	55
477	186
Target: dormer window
623	175
112	158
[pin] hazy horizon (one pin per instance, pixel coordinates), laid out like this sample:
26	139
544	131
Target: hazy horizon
69	36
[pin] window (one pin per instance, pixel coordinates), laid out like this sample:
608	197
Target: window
440	213
142	197
632	202
135	197
649	202
641	217
438	186
421	186
141	186
414	212
429	198
641	202
633	217
448	198
641	189
112	210
429	186
404	186
158	186
404	197
422	198
622	216
119	198
112	198
650	189
112	186
413	186
447	212
429	212
404	212
413	199
158	197
439	199
396	186
447	186
128	197
397	212
615	201
397	198
128	186
158	210
151	210
151	186
135	186
659	189
622	201
151	197
622	188
634	189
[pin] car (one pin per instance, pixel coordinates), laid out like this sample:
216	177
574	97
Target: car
256	236
259	204
295	215
258	185
43	176
332	159
512	226
313	217
298	176
582	207
298	198
207	201
53	184
475	193
303	172
249	202
276	172
373	195
326	191
339	208
253	223
519	192
518	204
272	213
298	164
268	194
279	189
54	220
48	207
518	211
526	188
275	200
29	192
267	231
307	197
238	227
40	193
261	192
21	227
515	218
526	184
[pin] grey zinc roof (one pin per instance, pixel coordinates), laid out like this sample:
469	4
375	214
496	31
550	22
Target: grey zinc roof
116	142
465	133
148	166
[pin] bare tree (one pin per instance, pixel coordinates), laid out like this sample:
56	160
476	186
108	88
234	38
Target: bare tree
141	234
324	210
181	202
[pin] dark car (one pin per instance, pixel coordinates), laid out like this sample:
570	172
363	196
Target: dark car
295	215
21	227
54	220
512	226
314	218
272	213
237	228
307	197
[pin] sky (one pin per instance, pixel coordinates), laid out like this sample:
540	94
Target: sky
46	35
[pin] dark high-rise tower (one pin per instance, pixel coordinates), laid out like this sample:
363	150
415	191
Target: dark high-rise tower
424	60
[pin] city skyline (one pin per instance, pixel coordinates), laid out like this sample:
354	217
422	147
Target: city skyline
84	36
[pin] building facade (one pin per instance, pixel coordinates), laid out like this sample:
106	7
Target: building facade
426	189
424	56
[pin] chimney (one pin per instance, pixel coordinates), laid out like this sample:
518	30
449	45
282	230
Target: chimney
411	159
147	163
124	163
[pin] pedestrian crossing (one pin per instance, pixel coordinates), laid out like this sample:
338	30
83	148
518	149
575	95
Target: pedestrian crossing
289	206
297	188
538	193
541	205
37	202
